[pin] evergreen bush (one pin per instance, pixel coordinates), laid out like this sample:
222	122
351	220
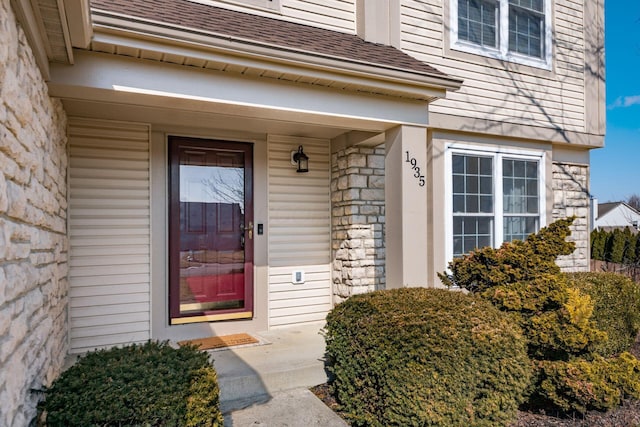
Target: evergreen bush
614	249
513	262
616	246
629	253
425	357
580	384
616	301
564	340
150	384
598	243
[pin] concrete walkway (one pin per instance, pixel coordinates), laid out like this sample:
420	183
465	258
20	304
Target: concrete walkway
267	384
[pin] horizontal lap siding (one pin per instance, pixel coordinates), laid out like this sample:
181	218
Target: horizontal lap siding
109	226
536	98
337	15
299	232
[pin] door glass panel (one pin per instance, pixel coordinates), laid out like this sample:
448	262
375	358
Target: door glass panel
211	233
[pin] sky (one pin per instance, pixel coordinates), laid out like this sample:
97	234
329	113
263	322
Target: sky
615	169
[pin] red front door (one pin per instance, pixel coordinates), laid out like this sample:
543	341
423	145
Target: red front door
210	230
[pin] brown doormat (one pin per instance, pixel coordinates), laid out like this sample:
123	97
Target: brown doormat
221	341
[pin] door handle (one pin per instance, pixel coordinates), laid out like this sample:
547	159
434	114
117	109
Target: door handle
249	228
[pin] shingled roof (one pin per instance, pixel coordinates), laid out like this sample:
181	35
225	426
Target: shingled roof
260	30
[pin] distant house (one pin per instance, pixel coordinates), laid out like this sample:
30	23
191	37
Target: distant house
616	215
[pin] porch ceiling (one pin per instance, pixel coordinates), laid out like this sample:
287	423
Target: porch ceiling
190	122
116	87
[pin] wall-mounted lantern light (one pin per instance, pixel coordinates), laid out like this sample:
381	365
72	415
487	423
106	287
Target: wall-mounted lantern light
300	159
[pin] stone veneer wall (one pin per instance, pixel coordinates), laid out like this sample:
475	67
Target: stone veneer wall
571	198
357	201
33	242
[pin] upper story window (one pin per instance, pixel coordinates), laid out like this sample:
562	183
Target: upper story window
511	30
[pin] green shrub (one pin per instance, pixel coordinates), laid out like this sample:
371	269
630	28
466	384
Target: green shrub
598	243
513	262
150	384
564	338
425	357
581	384
556	319
617	246
522	278
616	301
614	249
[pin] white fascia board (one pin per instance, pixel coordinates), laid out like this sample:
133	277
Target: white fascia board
112	78
131	30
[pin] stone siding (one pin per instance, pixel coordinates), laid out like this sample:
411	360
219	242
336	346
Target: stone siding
357	201
571	198
33	243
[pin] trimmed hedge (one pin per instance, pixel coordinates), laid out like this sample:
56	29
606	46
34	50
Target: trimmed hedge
427	357
616	300
151	384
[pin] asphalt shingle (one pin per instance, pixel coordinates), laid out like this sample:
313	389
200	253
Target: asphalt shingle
260	30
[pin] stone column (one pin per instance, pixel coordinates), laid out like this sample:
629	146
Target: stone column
357	200
571	198
406	202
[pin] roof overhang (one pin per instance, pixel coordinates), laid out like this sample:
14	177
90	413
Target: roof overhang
132	36
53	28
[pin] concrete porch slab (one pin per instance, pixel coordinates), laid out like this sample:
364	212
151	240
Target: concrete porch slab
289	359
293	408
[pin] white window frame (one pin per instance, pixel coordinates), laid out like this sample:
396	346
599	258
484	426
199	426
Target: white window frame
502	52
497	153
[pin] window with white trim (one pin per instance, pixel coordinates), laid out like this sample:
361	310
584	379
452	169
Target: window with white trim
495	197
512	30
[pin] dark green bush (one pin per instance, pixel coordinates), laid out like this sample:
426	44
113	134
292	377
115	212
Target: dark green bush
139	385
598	244
616	300
425	357
616	246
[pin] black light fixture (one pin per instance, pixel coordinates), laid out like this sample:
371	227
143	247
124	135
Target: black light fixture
301	159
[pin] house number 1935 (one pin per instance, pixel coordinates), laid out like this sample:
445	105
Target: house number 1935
414	166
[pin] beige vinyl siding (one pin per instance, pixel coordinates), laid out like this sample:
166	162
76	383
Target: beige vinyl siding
339	15
499	90
109	234
299	232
